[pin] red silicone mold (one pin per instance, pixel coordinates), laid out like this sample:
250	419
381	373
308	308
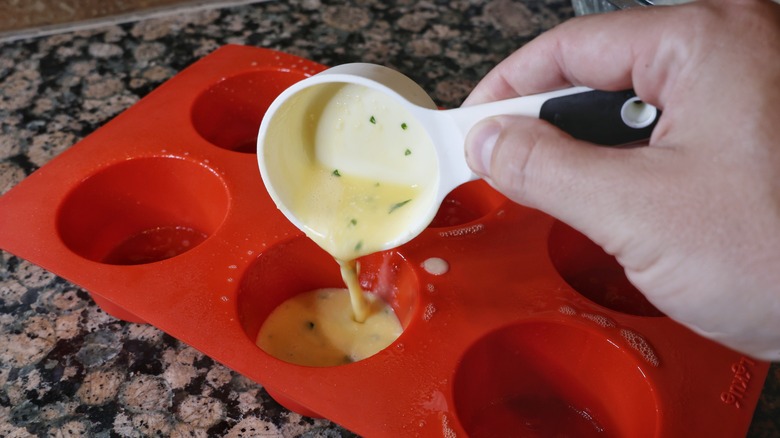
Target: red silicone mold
162	216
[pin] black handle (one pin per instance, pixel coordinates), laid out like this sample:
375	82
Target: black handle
602	117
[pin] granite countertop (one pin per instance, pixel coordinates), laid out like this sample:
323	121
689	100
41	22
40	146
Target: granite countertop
66	367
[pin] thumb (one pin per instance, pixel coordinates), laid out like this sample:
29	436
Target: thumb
532	162
501	150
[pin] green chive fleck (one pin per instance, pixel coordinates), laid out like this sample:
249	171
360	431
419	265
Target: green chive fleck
404	126
336	172
353	222
398	205
408	152
372	120
358	245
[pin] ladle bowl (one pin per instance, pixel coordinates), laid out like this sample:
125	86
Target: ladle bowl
286	137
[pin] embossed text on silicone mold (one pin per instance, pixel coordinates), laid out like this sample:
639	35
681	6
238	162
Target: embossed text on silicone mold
739	383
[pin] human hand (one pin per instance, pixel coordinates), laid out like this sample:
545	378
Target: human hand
693	217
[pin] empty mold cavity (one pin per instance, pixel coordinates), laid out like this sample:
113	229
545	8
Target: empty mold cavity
544	379
228	114
592	272
299	265
142	211
469	202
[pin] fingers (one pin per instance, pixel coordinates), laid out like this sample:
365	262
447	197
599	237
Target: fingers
565	56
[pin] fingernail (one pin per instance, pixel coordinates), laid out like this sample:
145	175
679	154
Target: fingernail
479	146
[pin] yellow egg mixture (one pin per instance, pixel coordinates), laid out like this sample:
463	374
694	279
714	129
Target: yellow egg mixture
365	174
316	328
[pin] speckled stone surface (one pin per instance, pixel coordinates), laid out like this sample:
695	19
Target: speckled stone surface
68	369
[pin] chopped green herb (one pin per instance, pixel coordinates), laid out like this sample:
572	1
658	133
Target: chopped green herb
398	205
310	325
376	184
372	120
336	172
404	126
353	222
408	152
359	245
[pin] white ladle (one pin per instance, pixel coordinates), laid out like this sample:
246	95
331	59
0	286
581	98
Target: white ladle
607	118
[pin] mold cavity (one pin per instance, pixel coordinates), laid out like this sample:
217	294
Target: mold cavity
228	114
550	379
595	274
296	267
142	211
467	203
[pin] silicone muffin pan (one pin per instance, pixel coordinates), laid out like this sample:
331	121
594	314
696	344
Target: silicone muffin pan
529	329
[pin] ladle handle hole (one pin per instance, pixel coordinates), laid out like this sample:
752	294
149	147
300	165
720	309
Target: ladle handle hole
608	118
